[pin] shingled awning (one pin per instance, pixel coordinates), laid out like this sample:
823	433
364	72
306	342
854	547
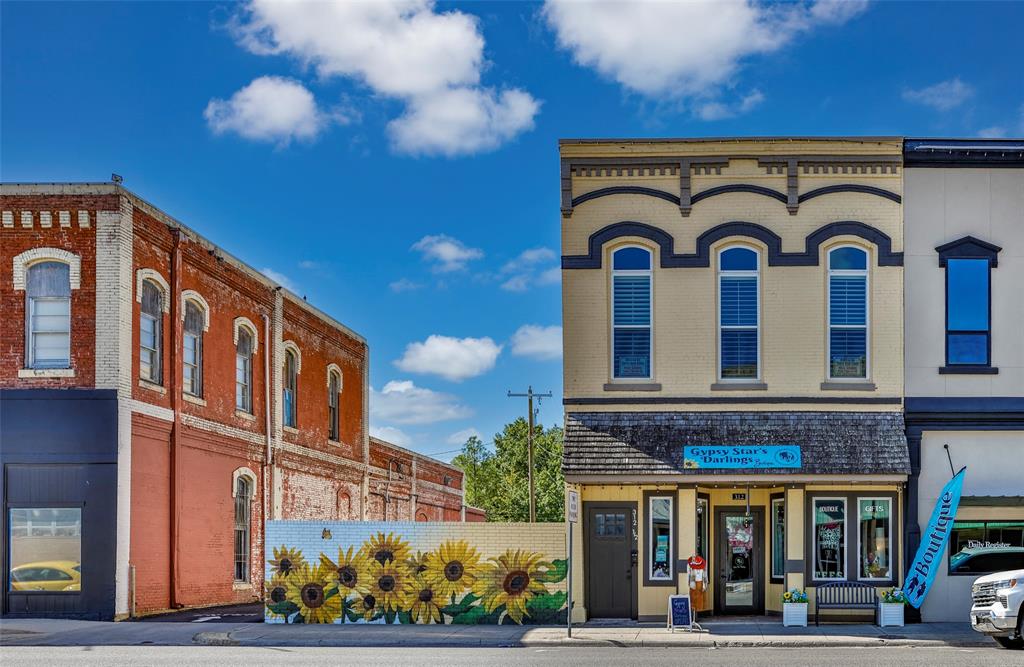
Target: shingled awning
651	443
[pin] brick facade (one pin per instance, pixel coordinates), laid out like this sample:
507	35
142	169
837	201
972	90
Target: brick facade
179	455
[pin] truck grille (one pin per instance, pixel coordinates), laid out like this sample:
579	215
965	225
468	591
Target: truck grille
983	595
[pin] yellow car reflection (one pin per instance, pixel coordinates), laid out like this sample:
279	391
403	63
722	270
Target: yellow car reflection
47	575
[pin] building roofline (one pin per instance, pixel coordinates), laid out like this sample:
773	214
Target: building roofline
698	140
963	152
94	188
375	439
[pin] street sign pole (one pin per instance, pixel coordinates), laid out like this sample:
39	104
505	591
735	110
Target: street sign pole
572	516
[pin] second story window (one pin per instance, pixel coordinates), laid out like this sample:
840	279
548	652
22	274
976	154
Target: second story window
151	320
738	314
291	379
631	313
48	315
192	350
968	331
847	313
243	371
333	394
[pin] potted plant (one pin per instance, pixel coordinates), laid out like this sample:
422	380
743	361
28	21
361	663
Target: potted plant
890	609
794	608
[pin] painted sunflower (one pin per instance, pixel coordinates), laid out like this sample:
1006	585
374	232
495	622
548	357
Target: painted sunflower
511	580
386	548
452	568
419	563
424	603
351	571
286	560
309	588
367	607
388	583
277	592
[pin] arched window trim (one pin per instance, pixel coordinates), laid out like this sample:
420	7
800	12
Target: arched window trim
649	272
246	472
157	349
290	346
334	369
142	275
866	272
23	261
756	275
246	323
196	298
334	404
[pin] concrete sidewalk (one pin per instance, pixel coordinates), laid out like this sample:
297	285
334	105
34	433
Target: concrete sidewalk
747	633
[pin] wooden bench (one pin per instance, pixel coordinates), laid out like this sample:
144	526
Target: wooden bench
845	595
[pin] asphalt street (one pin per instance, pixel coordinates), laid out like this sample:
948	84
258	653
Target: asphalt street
218	656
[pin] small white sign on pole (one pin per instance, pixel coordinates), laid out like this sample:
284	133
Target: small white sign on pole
573	506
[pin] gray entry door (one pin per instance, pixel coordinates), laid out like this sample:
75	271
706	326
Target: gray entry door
739	558
611	560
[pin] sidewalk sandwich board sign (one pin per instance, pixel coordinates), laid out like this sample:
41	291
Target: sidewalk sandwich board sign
679	612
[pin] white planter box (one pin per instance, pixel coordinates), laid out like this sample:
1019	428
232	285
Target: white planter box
890	613
794	614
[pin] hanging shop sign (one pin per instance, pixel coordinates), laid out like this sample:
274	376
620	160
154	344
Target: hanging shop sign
933	542
741	456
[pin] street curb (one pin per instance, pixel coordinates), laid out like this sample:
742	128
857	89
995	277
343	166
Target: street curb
215	639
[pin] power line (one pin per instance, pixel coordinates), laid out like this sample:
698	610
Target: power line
530	395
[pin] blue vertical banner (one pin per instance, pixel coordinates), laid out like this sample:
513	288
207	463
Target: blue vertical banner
933	542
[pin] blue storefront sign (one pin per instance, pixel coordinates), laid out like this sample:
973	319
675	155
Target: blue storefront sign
933	542
741	456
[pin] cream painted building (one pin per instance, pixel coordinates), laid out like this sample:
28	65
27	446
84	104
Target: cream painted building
964	218
733	368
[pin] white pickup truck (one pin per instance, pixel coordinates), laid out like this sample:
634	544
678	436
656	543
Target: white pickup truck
996	601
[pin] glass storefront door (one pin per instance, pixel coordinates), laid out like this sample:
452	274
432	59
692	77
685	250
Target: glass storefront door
740	561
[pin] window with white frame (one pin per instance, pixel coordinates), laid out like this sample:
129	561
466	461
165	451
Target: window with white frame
778	538
739	313
151	321
631	313
659	530
243	501
290	389
874	538
243	370
333	393
829	538
192	349
848	313
48	315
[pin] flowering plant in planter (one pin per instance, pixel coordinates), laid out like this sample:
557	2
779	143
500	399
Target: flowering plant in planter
794	607
894	596
890	611
794	596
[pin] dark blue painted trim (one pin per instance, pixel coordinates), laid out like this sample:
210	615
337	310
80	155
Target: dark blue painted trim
738	187
969	247
953	404
850	187
626	190
702	256
712	400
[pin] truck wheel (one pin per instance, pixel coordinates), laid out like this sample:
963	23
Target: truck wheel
1016	643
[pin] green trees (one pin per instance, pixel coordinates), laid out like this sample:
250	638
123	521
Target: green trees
497	481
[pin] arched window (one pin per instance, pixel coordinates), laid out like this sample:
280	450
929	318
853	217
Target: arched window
151	334
243	500
631	313
291	380
48	315
738	314
847	313
333	416
192	349
243	370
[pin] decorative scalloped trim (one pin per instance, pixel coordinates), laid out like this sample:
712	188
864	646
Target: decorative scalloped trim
26	259
243	321
197	298
154	276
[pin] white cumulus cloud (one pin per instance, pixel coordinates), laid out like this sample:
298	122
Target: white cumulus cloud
678	50
528	269
454	359
941	96
537	342
395	436
281	279
402	402
430	60
272	109
446	253
459	438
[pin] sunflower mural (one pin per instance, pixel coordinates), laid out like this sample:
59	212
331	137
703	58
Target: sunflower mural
384	580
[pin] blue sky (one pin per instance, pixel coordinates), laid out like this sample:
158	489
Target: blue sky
397	163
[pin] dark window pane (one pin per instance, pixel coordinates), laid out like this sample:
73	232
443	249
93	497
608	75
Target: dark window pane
194	319
152	299
848	353
739	301
49	279
967	294
968	348
631	259
739	353
850	259
739	259
632	296
632	352
847	300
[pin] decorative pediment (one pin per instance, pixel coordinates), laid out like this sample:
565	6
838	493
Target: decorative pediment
969	247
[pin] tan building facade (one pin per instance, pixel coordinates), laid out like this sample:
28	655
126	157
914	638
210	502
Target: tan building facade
732	314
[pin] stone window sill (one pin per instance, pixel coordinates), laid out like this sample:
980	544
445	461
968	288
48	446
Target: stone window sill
241	586
152	386
848	386
968	370
739	386
289	429
193	399
28	373
245	415
336	443
632	386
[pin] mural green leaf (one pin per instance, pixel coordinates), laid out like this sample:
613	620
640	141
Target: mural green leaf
546	608
460	607
389	616
284	608
556	573
405	617
477	615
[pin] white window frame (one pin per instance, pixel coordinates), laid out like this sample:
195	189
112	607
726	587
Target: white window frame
31	333
649	273
335	422
248	408
158	328
671	537
771	527
756	275
891	546
292	349
844	559
30	304
251	489
200	344
866	273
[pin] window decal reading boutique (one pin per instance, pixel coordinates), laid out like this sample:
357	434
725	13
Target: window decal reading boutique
745	456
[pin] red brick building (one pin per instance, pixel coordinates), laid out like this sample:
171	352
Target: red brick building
200	396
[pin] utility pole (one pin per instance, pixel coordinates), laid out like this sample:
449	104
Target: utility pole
530	395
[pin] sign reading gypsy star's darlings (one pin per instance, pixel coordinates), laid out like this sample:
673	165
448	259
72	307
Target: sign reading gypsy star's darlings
933	542
742	456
